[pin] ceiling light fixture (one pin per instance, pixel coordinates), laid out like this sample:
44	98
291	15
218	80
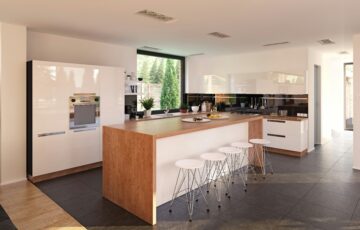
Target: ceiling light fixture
155	15
219	35
326	42
276	44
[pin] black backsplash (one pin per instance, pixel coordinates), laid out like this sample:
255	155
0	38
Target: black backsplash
253	103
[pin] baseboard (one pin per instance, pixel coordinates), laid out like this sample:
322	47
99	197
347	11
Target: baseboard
287	152
13	181
49	176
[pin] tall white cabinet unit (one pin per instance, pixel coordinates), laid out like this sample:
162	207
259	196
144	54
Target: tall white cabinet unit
52	144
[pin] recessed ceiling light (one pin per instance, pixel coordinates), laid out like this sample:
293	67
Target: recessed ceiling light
276	44
219	35
150	48
155	15
326	42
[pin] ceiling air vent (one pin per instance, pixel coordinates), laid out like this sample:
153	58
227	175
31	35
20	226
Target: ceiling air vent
155	15
276	44
196	54
326	42
150	48
219	35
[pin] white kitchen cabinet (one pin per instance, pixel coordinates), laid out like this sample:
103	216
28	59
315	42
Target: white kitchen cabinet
55	146
286	134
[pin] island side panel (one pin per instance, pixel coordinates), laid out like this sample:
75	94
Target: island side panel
255	132
129	172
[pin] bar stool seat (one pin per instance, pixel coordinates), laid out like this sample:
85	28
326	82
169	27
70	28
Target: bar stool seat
242	145
189	164
260	141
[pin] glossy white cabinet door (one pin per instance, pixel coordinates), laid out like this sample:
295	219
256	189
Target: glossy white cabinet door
112	98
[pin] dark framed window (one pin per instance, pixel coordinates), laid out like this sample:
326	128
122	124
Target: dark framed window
163	78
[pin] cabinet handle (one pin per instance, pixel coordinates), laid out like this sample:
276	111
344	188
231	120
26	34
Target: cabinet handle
51	134
276	135
278	121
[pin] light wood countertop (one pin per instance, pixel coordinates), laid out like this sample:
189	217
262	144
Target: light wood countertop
160	128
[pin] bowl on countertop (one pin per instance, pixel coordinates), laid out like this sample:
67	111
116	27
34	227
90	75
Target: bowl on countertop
195	109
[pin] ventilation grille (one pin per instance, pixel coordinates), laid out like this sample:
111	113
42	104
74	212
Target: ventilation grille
276	44
219	35
196	54
326	42
150	48
155	15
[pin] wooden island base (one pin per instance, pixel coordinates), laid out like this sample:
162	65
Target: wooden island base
130	151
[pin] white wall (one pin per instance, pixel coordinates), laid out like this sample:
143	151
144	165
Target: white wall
13	103
292	60
49	47
356	120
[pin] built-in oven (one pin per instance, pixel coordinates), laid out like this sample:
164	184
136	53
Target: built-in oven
84	111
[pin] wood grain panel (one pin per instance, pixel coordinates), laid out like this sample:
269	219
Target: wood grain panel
29	208
287	152
129	172
255	131
65	172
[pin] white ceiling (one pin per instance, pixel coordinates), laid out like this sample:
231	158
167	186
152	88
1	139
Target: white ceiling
251	23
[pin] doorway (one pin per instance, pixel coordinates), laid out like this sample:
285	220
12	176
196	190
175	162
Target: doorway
348	84
317	103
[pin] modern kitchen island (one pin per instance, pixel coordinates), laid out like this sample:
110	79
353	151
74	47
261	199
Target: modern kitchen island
138	156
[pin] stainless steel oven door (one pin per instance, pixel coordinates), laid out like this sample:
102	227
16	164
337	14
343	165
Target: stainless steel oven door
84	112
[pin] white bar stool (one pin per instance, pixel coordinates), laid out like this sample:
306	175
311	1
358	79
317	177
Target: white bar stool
214	171
260	150
244	147
190	177
234	162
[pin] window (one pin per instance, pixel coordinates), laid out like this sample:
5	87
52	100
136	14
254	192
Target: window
162	79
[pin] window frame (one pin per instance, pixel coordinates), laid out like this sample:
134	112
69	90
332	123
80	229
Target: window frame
182	77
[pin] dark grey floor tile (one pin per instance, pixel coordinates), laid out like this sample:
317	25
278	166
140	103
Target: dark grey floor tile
332	200
7	225
318	216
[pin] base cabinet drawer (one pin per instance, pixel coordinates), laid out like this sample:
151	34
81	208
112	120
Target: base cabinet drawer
286	135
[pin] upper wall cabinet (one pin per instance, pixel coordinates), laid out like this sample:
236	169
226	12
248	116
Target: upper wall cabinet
267	83
249	83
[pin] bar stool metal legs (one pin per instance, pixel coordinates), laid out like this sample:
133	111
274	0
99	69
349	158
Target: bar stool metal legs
261	155
215	173
188	181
